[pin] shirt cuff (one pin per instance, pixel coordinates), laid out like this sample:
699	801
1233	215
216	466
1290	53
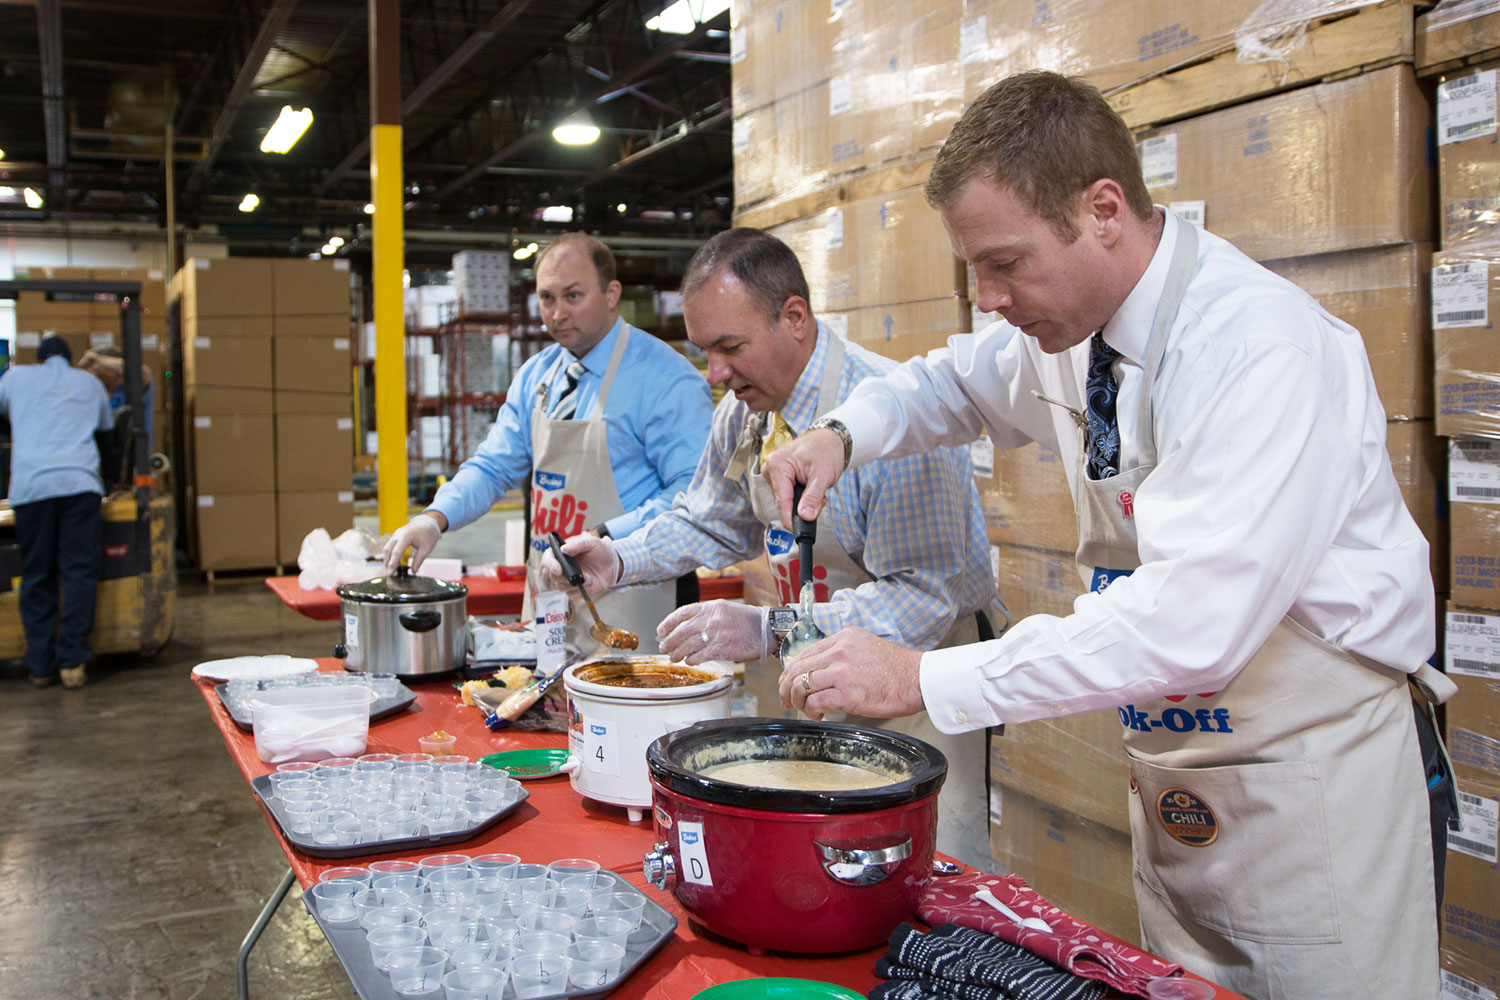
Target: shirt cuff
953	691
450	512
634	560
621	526
866	431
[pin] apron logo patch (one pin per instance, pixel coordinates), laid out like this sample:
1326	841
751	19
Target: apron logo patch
779	541
551	511
1127	503
1186	818
1177	720
1104	577
551	480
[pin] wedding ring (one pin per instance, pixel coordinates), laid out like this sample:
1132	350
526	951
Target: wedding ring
806	684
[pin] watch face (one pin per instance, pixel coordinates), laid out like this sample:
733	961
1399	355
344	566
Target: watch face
783	619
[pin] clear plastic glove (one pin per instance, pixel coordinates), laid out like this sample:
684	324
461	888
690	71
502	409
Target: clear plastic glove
715	630
595	556
419	534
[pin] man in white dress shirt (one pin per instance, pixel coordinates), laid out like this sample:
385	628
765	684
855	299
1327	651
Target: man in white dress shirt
1259	596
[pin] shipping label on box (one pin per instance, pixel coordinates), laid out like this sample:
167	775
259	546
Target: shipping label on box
1468	157
1471	898
1479	837
1474	470
1466	348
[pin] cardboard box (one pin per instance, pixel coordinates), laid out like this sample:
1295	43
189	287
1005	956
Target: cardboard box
1454	31
234	530
298	513
901	331
1080	866
233	453
225	286
1466	348
1474	521
1471	656
1471	885
1331	167
153	299
307	287
232	351
35	309
1465	979
215	400
1075	762
340	403
1418	461
1036	581
779	48
313	364
1383	293
1026	499
314	451
1468	156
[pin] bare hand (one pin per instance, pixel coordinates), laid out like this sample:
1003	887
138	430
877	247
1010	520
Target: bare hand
855	672
595	556
816	459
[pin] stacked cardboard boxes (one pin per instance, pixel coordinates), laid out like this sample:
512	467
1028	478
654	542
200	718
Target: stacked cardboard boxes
267	365
481	281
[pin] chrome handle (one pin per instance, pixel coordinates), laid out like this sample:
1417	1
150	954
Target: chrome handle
659	865
862	865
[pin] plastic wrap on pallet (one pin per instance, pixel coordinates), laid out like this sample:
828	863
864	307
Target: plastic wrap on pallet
1277	28
1474	520
1468	161
1336	166
1455	30
1466	350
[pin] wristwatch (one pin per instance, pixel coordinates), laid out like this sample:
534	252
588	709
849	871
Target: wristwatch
780	621
837	426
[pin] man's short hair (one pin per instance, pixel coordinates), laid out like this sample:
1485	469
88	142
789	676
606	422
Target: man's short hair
601	255
53	347
766	267
109	351
1046	137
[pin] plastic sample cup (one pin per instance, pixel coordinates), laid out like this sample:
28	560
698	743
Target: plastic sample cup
540	943
334	902
630	905
382	898
391	916
304	817
549	920
416	971
476	983
438	747
488	866
1179	988
561	869
571	901
348	873
461	934
605	927
367	757
384	940
476	953
537	975
594	962
433	862
449	821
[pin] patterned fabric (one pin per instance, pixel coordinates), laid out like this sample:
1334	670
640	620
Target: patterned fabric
781	433
1099	395
1076	946
960	962
566	403
914	523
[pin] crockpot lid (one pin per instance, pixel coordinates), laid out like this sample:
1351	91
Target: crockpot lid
675	760
402	588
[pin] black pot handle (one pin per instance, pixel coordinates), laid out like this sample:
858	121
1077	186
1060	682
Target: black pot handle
420	621
341	651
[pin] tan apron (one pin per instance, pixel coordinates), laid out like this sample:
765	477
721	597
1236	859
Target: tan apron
1280	826
573	487
963	810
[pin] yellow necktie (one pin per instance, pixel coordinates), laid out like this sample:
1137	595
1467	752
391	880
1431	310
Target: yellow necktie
781	433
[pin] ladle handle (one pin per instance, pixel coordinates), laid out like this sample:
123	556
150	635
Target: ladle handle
568	563
806	532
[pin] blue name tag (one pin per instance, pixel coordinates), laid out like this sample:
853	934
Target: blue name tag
1104	577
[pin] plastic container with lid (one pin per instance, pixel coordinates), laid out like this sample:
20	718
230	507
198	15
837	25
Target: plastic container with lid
311	723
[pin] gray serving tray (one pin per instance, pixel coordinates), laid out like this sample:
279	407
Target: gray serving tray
657	926
379	709
262	788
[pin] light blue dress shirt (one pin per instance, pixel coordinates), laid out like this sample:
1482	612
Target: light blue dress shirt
54	410
657	422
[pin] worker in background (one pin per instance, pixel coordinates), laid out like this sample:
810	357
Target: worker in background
895	548
55	491
108	365
606	424
1259	596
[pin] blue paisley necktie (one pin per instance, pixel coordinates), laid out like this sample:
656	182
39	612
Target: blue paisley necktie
1099	396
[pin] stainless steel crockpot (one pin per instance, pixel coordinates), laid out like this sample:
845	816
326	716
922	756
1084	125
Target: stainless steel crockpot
411	626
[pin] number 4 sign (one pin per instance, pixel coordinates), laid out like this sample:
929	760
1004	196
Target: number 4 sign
601	747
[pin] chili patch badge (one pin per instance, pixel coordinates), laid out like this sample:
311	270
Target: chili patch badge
1186	817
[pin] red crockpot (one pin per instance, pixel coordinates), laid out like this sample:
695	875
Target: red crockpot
816	872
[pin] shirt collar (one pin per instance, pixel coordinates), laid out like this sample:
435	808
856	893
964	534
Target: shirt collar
597	359
802	405
1129	329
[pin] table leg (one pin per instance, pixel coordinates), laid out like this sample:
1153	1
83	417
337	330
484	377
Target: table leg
241	973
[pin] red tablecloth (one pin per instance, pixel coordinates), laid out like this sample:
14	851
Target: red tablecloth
487	595
555	822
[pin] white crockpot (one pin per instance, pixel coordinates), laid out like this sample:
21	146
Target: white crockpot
611	725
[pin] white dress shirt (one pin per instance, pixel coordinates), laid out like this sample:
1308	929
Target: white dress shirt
1272	496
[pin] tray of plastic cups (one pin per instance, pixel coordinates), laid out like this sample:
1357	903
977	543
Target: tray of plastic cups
490	927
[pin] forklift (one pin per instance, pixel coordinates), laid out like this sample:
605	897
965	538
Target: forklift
138	586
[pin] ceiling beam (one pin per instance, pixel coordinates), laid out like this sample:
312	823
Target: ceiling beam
54	117
430	86
613	170
644	68
265	37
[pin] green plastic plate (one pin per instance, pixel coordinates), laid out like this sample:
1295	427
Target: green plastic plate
778	989
524	765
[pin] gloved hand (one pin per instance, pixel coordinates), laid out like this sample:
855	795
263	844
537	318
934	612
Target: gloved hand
595	556
419	534
715	630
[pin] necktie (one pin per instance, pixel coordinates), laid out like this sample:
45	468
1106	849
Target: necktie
1099	394
781	433
567	400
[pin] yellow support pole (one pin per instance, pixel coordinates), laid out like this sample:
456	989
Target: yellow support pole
388	196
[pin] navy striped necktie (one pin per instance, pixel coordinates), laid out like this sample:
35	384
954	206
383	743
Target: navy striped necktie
567	400
1100	393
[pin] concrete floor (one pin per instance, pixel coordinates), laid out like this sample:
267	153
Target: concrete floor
133	858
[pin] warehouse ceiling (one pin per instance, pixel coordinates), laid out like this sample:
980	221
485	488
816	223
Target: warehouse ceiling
89	89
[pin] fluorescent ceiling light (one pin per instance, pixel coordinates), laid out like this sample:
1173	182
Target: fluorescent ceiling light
335	241
7	192
250	202
2	154
288	128
620	208
369	208
33	200
576	130
521	253
683	16
557	213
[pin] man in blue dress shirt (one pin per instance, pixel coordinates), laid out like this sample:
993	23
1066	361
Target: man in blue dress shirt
55	490
607	424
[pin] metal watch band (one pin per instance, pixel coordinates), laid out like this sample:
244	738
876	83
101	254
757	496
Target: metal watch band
837	426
